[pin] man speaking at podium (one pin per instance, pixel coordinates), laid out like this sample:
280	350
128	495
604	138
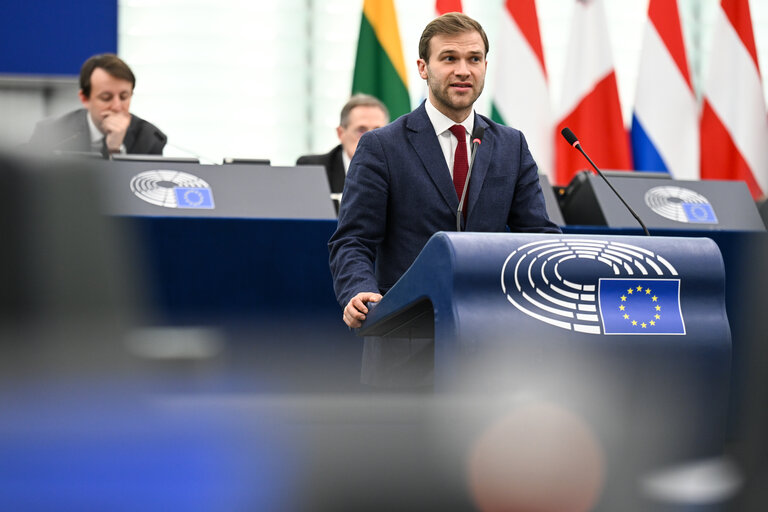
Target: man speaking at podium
105	125
406	179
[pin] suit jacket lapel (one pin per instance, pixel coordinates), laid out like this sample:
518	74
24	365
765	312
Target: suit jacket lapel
336	174
422	137
480	166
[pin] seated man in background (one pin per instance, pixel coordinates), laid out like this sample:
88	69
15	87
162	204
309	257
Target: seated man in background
105	125
360	114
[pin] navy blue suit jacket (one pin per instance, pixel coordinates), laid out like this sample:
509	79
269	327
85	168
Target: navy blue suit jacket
399	192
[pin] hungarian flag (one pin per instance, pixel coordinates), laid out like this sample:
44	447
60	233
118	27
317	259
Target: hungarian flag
665	123
524	103
590	103
734	128
379	65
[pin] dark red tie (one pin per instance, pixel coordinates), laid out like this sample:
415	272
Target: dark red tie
460	162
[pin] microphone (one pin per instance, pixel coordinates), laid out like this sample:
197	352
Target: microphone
573	141
200	158
477	139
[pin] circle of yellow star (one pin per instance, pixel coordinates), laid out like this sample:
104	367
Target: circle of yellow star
635	323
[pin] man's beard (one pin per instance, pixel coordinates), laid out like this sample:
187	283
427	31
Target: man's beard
443	96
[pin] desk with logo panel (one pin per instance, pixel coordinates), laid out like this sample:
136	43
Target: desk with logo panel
175	189
661	202
243	248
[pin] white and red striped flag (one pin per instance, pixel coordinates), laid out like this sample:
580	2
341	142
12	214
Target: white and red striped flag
665	123
524	102
590	100
734	127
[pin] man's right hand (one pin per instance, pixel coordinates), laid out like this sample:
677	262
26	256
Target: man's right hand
355	311
115	126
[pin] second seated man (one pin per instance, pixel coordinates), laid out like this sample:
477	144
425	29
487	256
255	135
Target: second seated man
362	113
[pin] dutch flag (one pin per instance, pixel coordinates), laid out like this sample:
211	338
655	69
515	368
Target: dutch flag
665	122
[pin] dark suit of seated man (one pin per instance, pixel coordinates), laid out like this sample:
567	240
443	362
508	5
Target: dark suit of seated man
400	188
360	114
105	124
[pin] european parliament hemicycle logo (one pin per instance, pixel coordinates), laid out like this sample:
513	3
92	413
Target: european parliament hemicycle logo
629	289
680	204
172	189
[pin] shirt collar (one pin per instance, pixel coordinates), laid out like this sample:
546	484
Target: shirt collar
96	134
441	122
345	159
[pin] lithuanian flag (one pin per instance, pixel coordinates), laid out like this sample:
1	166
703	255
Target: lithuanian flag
380	66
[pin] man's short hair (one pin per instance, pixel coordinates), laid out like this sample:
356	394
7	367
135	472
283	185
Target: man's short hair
450	24
360	100
110	63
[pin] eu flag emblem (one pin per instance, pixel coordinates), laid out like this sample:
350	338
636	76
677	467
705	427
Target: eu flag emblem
188	197
641	306
699	212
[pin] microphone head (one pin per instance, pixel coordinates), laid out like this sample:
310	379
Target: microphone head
477	134
569	136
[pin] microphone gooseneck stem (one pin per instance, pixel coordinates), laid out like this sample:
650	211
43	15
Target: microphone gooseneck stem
577	145
473	152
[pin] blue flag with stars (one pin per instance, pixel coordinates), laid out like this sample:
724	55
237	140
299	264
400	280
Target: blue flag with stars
641	306
193	197
697	212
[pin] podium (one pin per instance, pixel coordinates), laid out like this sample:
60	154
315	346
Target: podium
550	201
630	331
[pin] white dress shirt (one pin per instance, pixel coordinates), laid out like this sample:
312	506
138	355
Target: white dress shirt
442	124
345	160
97	137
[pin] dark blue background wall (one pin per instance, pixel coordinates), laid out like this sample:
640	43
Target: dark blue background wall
54	37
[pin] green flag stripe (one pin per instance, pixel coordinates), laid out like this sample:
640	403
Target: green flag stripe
496	115
375	74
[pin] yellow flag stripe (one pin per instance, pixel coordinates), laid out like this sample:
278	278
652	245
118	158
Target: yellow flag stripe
382	17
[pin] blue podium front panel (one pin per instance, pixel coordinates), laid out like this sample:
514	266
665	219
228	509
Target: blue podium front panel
632	332
565	287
